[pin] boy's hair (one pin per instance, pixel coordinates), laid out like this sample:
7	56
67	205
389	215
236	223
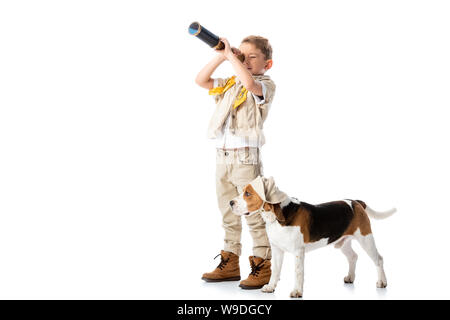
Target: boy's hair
261	43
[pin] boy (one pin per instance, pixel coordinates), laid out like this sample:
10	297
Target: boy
243	103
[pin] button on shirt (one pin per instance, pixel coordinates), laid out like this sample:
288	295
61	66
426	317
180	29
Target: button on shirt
227	140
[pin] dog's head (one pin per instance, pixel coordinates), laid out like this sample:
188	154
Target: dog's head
261	194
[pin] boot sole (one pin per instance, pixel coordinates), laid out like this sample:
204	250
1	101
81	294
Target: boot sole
243	286
220	280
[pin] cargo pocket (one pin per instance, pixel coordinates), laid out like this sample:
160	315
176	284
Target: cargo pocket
242	174
248	156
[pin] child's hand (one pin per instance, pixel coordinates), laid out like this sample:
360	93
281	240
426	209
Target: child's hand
228	51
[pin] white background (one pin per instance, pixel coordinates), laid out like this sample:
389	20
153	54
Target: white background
107	179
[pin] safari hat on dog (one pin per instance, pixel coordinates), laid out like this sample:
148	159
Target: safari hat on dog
267	190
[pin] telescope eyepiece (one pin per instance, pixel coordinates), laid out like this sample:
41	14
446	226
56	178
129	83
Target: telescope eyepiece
204	34
195	28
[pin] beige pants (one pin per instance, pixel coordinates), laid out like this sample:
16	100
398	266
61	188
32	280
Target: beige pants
234	170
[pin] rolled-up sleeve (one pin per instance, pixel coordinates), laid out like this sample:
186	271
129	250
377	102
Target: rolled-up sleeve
268	94
258	99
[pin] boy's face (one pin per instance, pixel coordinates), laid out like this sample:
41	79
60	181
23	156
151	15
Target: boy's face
254	59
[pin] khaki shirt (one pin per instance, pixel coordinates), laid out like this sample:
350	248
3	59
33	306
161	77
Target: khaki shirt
246	120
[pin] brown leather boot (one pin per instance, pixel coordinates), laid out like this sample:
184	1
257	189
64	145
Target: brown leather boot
227	270
260	274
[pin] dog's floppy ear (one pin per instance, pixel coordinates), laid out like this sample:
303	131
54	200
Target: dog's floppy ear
279	214
276	210
268	207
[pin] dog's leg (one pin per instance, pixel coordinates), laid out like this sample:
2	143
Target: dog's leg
351	257
368	244
299	273
277	262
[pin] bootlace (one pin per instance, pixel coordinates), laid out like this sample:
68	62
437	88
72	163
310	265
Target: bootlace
256	268
223	261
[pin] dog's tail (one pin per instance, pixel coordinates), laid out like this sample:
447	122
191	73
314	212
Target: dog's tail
377	214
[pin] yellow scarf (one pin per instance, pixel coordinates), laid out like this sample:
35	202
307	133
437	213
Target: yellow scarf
242	96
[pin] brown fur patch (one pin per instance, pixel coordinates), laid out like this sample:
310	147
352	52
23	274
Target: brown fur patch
254	202
360	220
362	203
303	220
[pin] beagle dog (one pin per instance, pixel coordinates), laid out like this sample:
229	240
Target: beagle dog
298	227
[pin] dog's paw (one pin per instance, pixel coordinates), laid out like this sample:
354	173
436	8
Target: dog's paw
381	284
268	289
349	279
296	294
